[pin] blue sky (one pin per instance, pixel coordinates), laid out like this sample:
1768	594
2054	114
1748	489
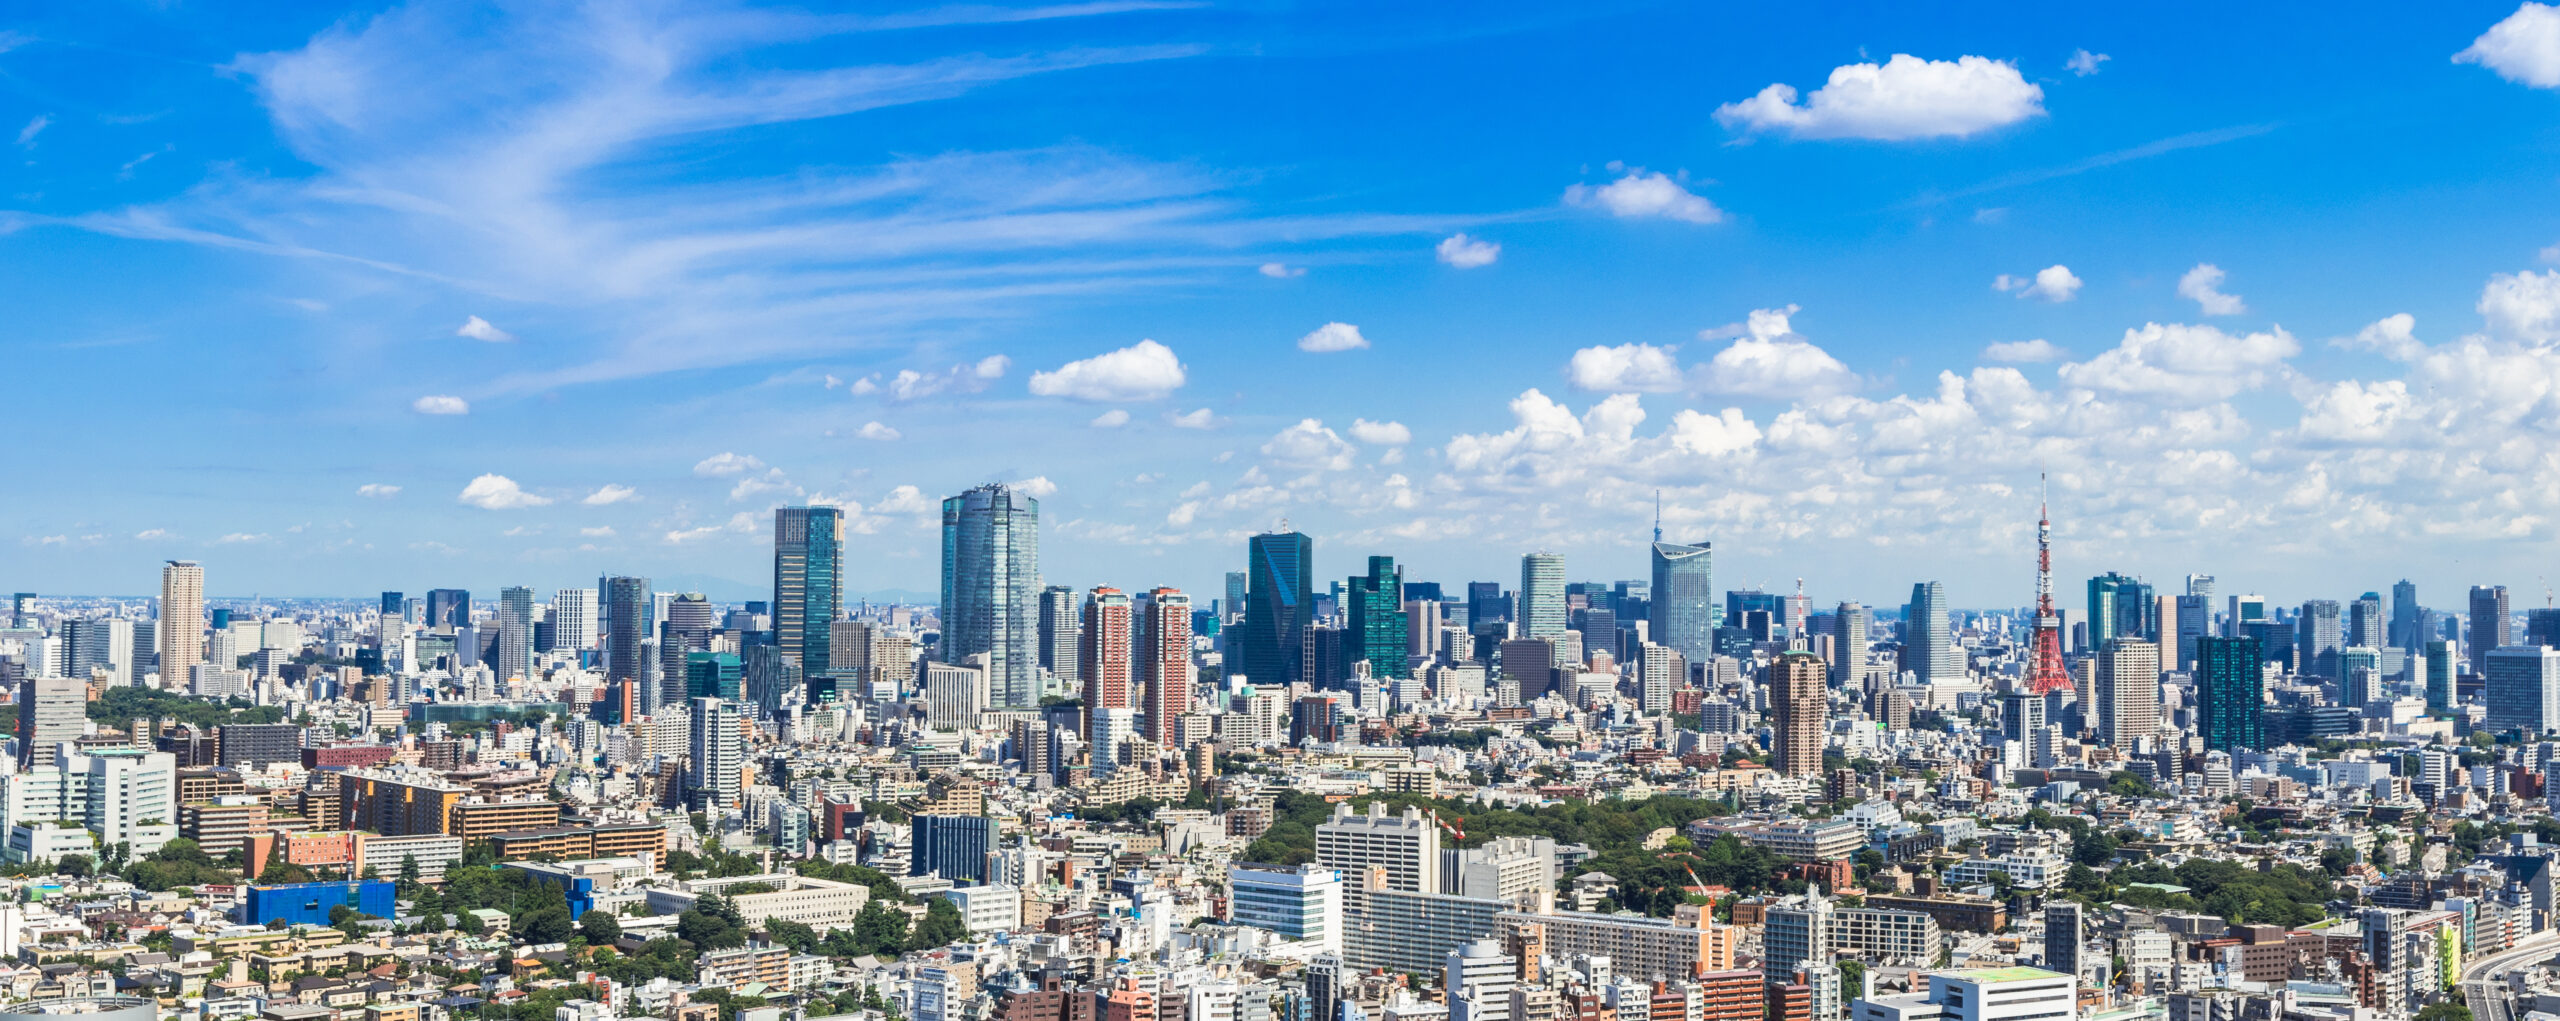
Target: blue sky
340	299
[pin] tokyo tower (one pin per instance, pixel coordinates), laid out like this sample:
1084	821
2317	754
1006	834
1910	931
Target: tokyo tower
2046	672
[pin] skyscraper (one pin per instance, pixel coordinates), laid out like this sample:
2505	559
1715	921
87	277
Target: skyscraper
2063	932
51	711
2491	626
515	632
448	608
2522	690
573	619
2231	693
1542	595
991	589
2364	621
1103	650
2408	619
627	607
1377	621
2195	616
1486	604
951	846
1928	636
1683	610
2128	691
1661	671
2318	635
181	631
1848	641
2439	661
1061	618
719	753
808	585
1279	600
2120	606
1231	611
1164	662
1800	706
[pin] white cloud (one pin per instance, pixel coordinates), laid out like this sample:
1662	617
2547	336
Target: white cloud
1906	98
1282	271
725	463
498	492
2052	283
1383	434
1465	252
876	431
911	385
27	135
1641	194
1723	434
906	500
771	483
1773	361
1037	487
597	532
440	404
2524	48
2392	336
1333	337
1626	367
377	490
477	328
1112	419
2203	285
1197	419
2023	352
2084	63
152	534
237	538
610	494
1309	444
741	523
2523	307
1144	371
2181	364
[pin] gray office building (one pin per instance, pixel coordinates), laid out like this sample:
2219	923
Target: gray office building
1683	612
991	589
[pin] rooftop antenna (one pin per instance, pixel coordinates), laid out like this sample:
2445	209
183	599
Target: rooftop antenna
1657	515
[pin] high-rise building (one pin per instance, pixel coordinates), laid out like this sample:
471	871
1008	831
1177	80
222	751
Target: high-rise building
718	675
181	631
1479	978
1662	671
93	644
2318	634
2120	606
1848	640
1795	933
2063	932
515	633
2522	690
991	588
2439	660
1279	604
2492	628
1164	662
1529	667
953	696
1061	617
1928	635
627	608
51	711
2408	619
1800	706
1376	631
2364	625
1406	844
718	753
1102	655
448	608
2231	693
2128	691
951	846
573	619
1486	603
1300	902
689	622
808	583
1231	609
1682	613
1542	595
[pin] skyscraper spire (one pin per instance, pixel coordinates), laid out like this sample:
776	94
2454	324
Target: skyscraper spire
2046	672
1657	515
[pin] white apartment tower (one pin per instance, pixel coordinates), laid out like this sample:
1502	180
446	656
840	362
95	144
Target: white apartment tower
1406	844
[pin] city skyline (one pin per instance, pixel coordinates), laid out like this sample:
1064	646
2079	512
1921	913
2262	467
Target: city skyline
1840	343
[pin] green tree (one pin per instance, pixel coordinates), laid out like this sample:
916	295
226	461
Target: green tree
470	924
600	927
713	923
942	925
797	935
77	866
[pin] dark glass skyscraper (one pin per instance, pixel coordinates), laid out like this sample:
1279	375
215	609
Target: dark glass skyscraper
2408	619
808	586
2491	626
627	608
2121	607
951	846
1683	610
448	607
1377	619
394	604
2231	693
991	589
1279	599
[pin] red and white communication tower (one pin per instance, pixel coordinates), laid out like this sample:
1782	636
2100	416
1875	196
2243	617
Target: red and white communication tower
2046	673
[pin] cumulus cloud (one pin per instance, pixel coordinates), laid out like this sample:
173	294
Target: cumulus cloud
597	532
2203	285
1112	419
378	490
725	464
876	431
237	538
1905	98
911	385
2084	63
740	523
2182	364
1465	252
1626	367
2524	48
1144	371
1196	419
498	492
1309	444
1771	360
1643	195
477	328
1383	434
1282	271
2392	336
1333	337
2052	283
2022	352
2523	307
1037	487
771	483
152	534
610	494
440	404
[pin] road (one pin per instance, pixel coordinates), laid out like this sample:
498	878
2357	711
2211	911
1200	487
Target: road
2486	993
